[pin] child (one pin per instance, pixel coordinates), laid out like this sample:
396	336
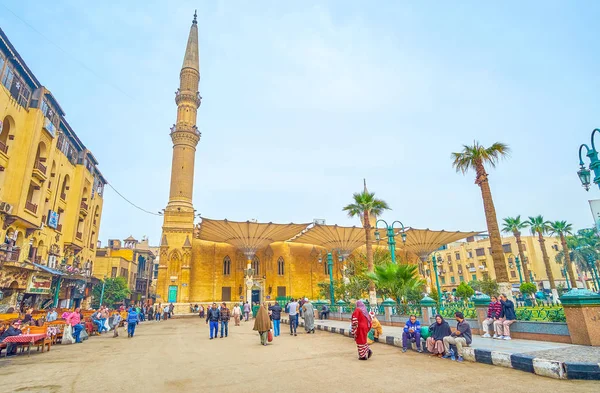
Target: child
116	320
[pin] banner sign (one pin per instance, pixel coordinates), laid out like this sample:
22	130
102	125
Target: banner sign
40	283
52	219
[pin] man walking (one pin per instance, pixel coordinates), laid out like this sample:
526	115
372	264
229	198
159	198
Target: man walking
461	338
247	310
293	307
276	316
224	316
213	316
412	329
132	321
237	313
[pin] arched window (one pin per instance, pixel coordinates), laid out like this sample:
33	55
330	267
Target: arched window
226	266
280	266
5	127
256	265
65	188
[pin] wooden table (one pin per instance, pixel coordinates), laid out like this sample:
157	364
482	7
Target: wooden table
28	339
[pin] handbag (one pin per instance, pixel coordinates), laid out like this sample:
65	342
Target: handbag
67	337
270	336
83	335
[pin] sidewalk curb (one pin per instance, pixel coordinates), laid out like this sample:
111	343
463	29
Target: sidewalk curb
519	361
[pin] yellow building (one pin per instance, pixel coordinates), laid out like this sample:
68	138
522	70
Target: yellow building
50	190
129	259
472	260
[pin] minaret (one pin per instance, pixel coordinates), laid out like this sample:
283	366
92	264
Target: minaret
184	133
178	225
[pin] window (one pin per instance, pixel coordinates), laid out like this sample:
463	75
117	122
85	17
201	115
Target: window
485	275
457	256
452	280
484	264
449	258
555	247
113	273
226	294
513	274
256	265
443	280
507	248
480	252
226	266
469	254
474	277
451	269
2	61
461	278
8	77
280	266
510	259
281	292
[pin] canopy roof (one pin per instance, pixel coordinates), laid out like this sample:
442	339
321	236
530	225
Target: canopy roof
247	236
423	242
333	237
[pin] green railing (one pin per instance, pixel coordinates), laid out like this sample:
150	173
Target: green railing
541	314
450	309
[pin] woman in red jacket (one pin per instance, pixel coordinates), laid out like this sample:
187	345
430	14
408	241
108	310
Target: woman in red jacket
361	324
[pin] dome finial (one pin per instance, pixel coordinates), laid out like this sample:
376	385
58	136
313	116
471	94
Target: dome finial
195	16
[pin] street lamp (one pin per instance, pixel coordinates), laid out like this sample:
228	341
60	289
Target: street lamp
391	236
584	173
330	269
435	271
518	264
102	293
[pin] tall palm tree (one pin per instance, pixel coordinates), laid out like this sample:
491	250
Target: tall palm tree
514	225
561	229
476	157
366	205
538	226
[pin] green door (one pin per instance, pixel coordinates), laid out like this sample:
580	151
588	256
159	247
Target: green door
173	294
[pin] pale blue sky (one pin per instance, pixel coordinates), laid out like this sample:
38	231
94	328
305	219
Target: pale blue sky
301	101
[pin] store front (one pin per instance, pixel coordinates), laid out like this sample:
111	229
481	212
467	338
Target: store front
13	284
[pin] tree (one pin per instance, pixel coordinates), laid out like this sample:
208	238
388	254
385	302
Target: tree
539	226
464	291
584	247
562	229
366	205
514	225
528	288
115	291
397	281
476	157
489	287
476	285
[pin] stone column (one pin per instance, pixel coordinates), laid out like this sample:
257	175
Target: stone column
582	309
482	302
427	310
387	307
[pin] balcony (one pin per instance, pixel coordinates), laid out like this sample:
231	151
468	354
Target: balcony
83	209
78	235
472	269
3	148
32	207
13	256
39	171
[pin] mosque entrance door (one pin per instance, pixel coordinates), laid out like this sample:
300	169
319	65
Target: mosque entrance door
256	296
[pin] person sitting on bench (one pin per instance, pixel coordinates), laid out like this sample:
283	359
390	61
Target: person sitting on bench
13	330
324	312
412	330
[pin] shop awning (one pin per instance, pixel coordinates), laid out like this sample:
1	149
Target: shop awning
49	270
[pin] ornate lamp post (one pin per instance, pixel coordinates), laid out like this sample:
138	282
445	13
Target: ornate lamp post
435	271
390	236
518	264
330	269
584	173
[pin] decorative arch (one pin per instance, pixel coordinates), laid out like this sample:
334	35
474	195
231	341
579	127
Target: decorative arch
256	265
8	125
65	187
227	266
280	266
174	263
41	153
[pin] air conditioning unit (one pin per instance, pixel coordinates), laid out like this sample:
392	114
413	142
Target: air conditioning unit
6	207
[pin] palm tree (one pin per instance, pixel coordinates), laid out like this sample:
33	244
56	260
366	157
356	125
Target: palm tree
397	280
561	229
366	205
514	225
538	226
475	157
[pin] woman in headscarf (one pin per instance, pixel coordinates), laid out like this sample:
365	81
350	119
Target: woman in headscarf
438	330
308	313
361	324
262	324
